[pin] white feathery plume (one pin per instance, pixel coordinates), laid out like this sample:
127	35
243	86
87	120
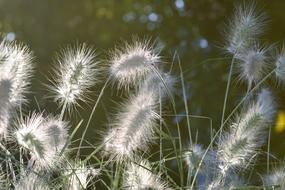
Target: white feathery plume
45	139
16	66
58	133
133	127
215	185
280	66
232	184
247	134
132	63
78	176
159	83
253	64
140	176
267	104
5	92
31	181
276	177
3	181
75	75
244	28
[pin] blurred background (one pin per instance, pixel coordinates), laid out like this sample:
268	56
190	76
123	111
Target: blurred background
193	29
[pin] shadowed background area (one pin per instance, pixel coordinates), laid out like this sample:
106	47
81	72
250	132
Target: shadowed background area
192	29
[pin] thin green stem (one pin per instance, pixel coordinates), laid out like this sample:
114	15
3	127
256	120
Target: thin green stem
268	150
160	134
245	97
63	110
227	90
185	102
180	167
117	176
91	115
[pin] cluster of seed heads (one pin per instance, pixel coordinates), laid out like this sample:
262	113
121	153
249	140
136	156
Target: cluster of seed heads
36	151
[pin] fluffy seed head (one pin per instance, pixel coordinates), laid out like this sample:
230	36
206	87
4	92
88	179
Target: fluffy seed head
280	66
133	128
16	66
247	134
78	176
44	138
277	177
5	92
132	63
140	176
266	104
231	184
253	65
31	181
3	182
246	25
74	75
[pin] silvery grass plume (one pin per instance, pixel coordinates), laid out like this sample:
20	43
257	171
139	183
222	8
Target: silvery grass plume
253	64
5	90
208	167
131	64
140	176
233	184
275	178
17	67
78	176
161	83
132	130
44	138
15	72
31	181
75	75
244	28
280	66
247	134
3	181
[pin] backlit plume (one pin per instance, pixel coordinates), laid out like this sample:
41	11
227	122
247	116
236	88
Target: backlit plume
132	63
44	138
133	128
75	74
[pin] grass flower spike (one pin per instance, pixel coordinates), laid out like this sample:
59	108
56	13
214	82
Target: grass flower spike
246	25
16	66
276	177
131	64
31	181
133	128
140	176
253	65
78	176
247	134
44	138
5	92
75	75
280	66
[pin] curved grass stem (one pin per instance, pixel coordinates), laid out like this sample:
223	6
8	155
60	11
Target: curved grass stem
91	115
